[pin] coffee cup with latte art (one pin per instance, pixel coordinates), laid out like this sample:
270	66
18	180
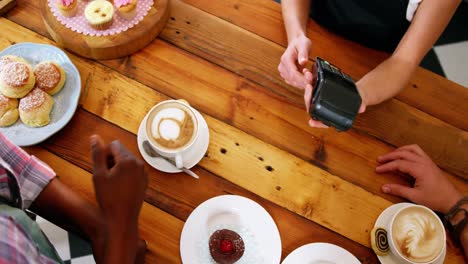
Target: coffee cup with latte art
416	235
172	128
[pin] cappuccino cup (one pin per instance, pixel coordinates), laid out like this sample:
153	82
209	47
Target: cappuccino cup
172	128
416	235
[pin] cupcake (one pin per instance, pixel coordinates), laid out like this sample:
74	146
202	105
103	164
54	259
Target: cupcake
99	14
127	8
68	8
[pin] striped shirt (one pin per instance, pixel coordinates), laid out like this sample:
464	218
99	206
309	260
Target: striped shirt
22	178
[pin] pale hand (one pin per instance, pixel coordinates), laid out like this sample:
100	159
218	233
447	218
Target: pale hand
293	61
431	187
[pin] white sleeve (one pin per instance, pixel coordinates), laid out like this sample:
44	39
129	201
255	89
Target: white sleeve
411	10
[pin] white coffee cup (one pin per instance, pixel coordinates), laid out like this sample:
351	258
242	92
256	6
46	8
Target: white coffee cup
162	126
411	224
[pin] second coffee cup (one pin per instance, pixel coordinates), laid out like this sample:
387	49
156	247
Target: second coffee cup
416	235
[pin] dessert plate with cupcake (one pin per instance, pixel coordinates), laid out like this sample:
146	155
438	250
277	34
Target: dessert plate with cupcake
39	92
230	229
320	253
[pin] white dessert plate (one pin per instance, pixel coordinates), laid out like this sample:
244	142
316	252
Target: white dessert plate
250	220
320	253
65	102
384	218
191	156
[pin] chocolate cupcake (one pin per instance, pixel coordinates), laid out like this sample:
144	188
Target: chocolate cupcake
226	246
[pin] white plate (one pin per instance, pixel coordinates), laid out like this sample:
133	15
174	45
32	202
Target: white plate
252	222
384	218
191	157
320	253
66	100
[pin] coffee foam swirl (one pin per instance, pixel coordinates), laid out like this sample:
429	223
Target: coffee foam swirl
167	123
418	235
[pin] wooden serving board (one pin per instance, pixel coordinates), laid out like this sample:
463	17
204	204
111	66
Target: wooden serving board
6	5
108	47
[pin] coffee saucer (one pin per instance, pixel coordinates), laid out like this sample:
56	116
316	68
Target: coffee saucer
191	156
384	218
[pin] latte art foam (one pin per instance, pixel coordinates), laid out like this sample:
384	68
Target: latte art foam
418	235
172	127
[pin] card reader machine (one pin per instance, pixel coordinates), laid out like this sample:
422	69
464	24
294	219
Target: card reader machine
335	99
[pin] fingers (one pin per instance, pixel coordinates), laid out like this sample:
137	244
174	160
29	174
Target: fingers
400	190
99	154
362	108
318	124
308	75
404	166
398	155
119	152
308	96
302	54
415	149
289	70
294	78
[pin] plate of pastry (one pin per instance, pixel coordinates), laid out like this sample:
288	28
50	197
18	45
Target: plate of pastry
39	92
230	229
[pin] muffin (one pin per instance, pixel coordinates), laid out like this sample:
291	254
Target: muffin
8	111
68	8
35	108
4	60
127	8
16	79
50	77
99	14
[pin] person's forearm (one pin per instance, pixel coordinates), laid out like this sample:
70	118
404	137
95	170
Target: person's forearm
430	20
295	16
385	81
65	208
121	243
392	75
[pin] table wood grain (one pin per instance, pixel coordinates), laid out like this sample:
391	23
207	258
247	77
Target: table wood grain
314	182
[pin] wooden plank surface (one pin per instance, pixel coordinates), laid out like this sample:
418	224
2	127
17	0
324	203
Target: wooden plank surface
107	102
6	5
425	90
255	58
296	185
178	194
245	105
67	145
316	192
348	155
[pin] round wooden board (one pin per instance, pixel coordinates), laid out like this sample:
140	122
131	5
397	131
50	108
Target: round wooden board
108	47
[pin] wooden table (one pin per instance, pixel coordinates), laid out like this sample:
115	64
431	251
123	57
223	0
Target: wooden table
221	56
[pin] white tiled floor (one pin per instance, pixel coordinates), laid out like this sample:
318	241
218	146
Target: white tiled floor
83	260
61	241
57	236
454	61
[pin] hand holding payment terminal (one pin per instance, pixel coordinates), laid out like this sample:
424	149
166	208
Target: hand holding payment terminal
335	99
